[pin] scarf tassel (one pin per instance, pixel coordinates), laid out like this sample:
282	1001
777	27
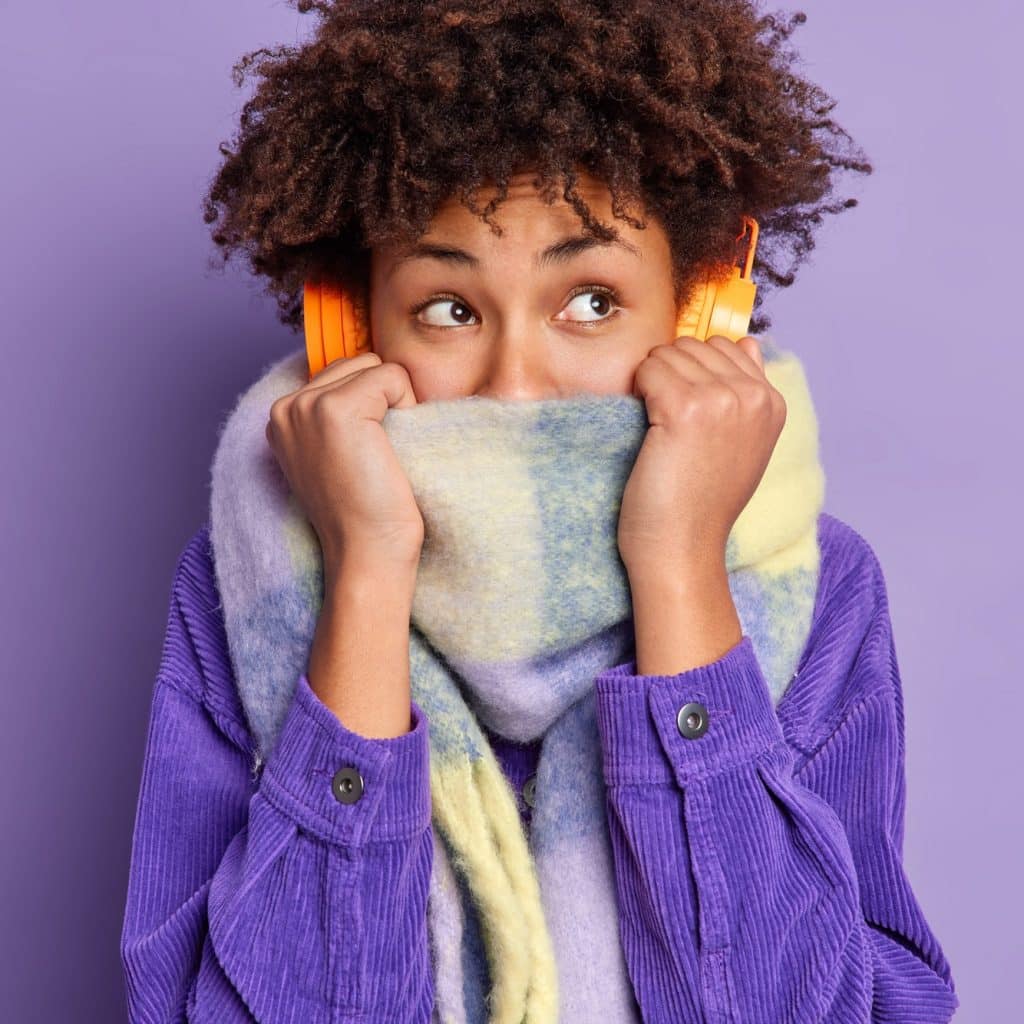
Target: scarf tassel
474	807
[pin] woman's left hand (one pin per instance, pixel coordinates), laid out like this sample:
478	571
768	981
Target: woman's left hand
714	420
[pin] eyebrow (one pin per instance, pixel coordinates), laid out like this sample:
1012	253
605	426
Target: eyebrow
556	254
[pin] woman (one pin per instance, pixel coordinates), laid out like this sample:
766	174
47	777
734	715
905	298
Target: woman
567	700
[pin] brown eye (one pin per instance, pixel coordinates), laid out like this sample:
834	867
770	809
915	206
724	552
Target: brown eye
456	309
592	305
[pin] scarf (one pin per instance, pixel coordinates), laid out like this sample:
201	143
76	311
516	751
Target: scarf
521	599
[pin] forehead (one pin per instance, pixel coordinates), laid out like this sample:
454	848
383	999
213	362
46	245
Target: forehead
526	220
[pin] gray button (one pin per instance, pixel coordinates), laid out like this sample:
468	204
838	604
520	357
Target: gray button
529	789
347	785
692	720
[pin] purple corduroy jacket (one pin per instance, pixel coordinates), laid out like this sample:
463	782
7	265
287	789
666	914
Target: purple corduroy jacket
758	867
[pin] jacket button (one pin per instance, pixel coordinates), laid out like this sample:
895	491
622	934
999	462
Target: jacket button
347	785
692	720
529	789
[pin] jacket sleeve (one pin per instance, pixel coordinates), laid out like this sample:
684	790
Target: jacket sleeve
759	885
273	901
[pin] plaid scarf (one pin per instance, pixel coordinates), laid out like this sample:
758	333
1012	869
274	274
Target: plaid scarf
521	599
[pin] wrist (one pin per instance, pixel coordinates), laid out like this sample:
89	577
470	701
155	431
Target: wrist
367	578
670	572
359	661
682	619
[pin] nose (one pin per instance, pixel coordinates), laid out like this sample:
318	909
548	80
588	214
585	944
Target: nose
517	369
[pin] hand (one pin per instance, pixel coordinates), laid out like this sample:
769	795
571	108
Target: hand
328	439
714	421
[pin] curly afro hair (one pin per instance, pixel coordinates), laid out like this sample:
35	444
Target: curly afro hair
690	108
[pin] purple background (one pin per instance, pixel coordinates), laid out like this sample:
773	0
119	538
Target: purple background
124	351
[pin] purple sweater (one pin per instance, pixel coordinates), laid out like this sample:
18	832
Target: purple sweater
758	867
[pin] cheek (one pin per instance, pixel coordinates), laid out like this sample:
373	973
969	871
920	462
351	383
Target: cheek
637	348
386	333
436	380
641	341
626	375
603	373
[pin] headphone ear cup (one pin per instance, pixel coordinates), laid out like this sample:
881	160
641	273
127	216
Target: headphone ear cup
732	306
333	325
719	307
331	305
724	305
693	321
355	330
313	327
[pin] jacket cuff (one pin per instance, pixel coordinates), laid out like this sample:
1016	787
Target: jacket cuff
638	719
313	745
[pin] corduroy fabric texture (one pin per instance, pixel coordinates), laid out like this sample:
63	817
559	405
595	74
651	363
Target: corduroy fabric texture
759	878
521	601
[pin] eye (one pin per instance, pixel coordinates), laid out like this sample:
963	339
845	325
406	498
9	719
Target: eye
604	303
456	308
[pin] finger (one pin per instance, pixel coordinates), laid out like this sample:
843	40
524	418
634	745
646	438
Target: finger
710	357
686	363
738	353
394	385
751	346
399	389
340	369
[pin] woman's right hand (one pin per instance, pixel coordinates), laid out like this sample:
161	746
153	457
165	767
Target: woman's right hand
328	439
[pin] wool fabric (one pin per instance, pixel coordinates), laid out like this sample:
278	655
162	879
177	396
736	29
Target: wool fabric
521	601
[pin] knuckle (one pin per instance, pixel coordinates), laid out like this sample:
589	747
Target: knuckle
300	407
724	397
756	393
780	405
279	410
324	407
392	369
761	393
362	363
646	368
690	344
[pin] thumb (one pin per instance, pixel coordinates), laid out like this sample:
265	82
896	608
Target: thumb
752	347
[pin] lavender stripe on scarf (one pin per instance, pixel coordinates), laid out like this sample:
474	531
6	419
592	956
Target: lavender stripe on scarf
521	600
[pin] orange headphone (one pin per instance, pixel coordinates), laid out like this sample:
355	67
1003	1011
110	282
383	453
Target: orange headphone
723	306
